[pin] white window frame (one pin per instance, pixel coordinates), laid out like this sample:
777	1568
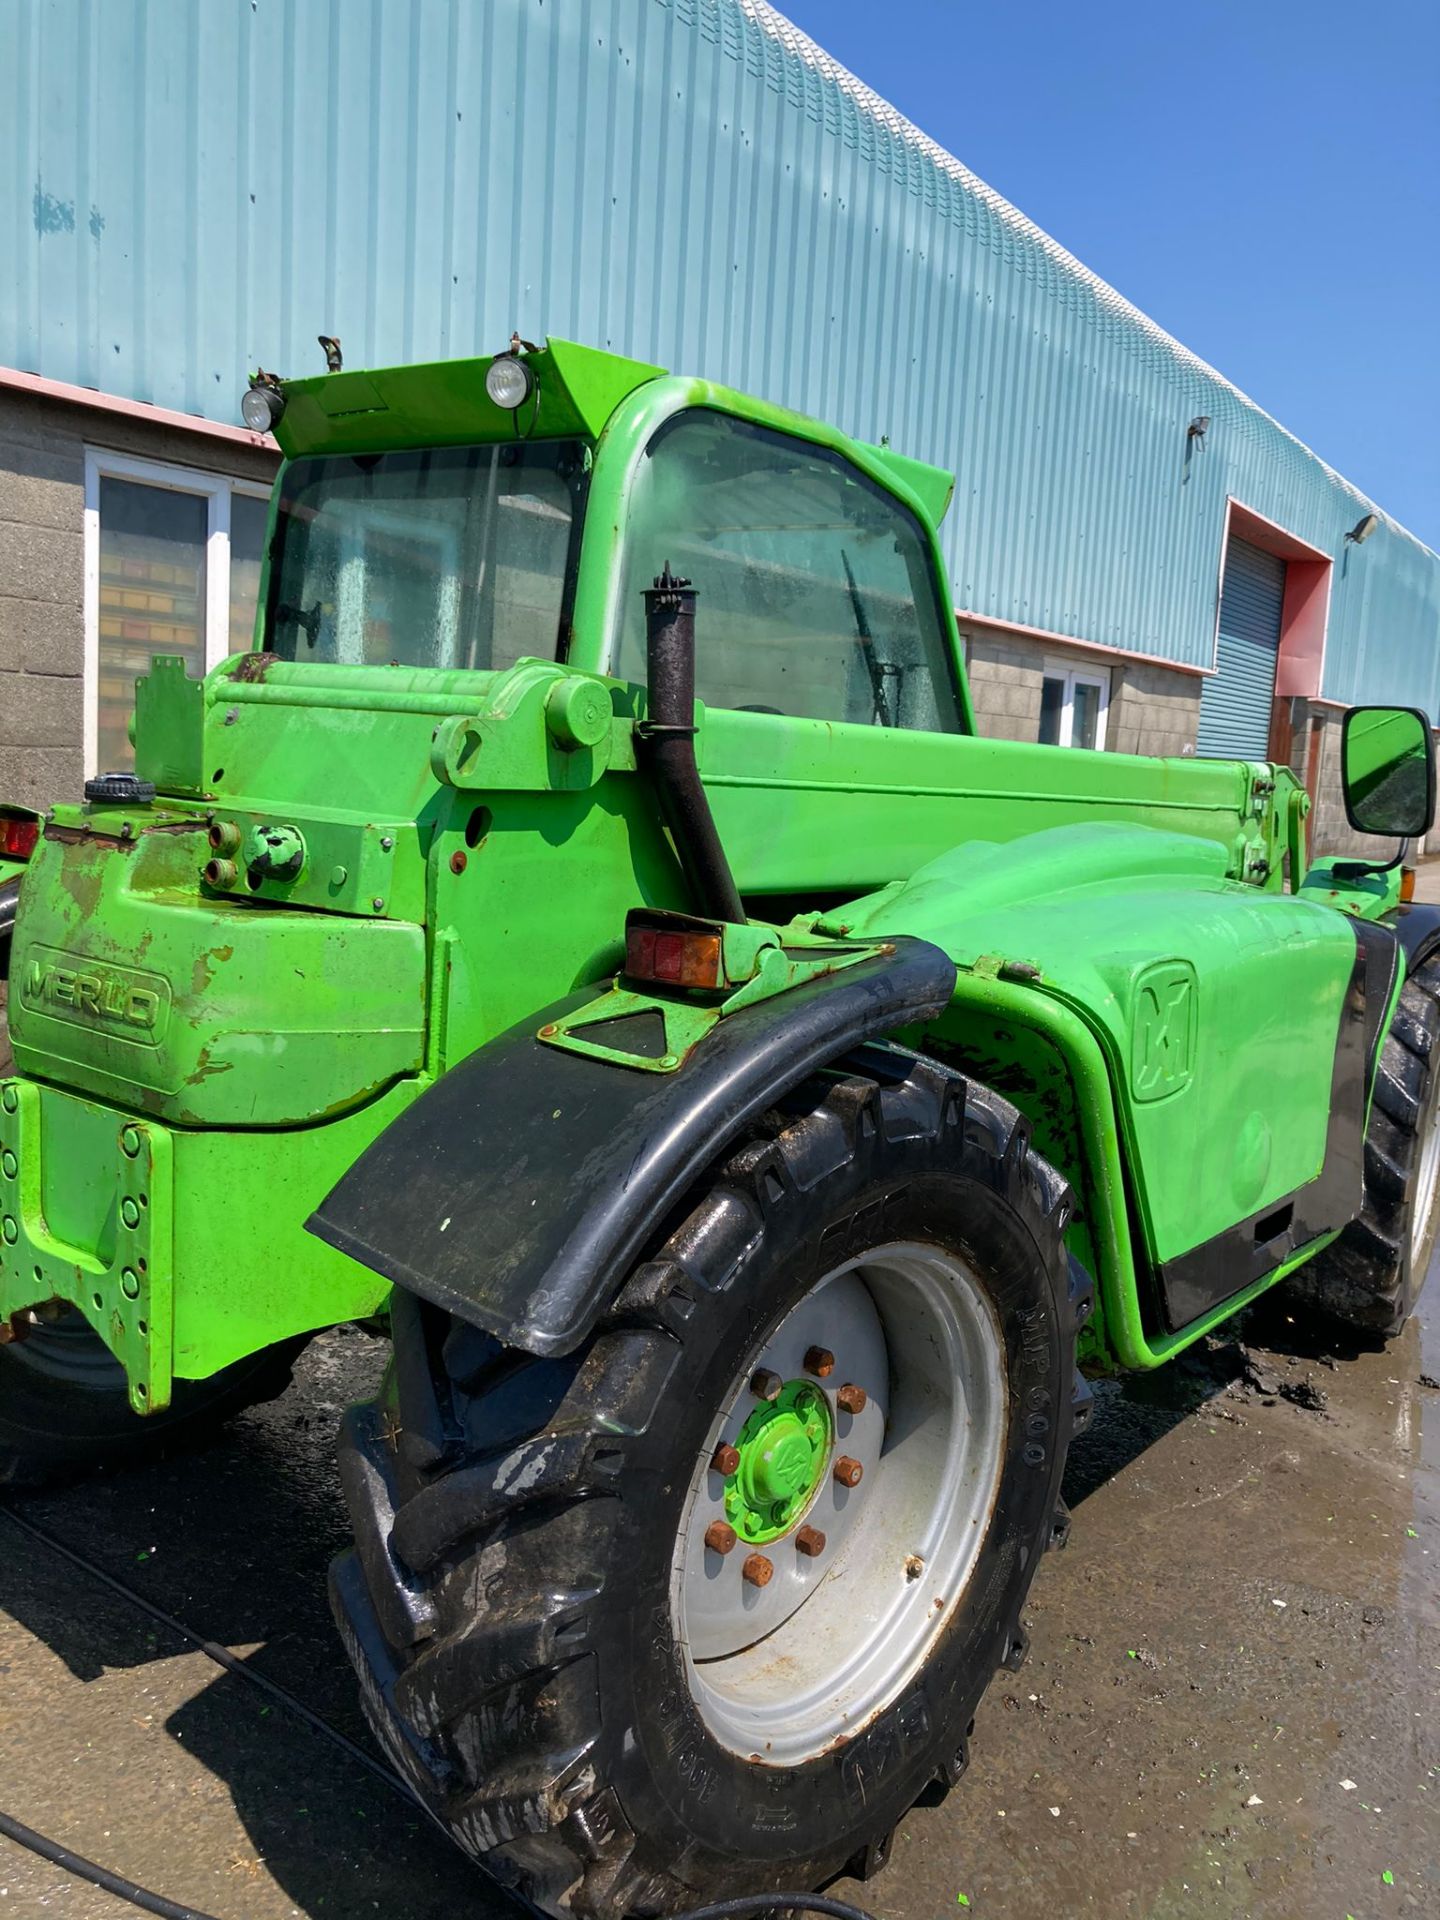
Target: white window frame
1085	676
217	490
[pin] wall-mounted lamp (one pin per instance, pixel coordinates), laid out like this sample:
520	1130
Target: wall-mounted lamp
1362	529
1198	428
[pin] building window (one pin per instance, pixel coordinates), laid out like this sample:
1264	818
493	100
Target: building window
172	565
1073	705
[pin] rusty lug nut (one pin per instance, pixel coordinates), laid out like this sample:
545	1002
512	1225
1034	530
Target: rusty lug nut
819	1361
851	1399
758	1570
848	1472
810	1541
765	1385
726	1459
720	1536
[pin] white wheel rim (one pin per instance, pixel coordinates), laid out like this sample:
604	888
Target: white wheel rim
780	1671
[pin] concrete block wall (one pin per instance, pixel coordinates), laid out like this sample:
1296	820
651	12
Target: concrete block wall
42	569
1005	678
42	573
1153	709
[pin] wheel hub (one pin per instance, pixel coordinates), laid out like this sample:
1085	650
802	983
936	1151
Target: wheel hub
839	1501
784	1450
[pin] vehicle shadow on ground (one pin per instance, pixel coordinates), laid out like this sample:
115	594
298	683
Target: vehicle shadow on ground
234	1540
1134	1412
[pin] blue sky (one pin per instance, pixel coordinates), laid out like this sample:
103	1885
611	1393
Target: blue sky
1263	179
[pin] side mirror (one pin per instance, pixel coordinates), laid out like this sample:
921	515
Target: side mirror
1387	771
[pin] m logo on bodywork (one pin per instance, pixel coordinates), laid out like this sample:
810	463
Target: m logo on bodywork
1162	1044
121	1000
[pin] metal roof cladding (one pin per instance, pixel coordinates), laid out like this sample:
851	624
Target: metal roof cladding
190	192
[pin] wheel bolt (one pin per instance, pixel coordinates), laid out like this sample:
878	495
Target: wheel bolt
726	1459
848	1472
810	1541
765	1385
851	1399
758	1570
720	1536
819	1361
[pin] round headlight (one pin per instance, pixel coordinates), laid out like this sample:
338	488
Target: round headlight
260	408
508	381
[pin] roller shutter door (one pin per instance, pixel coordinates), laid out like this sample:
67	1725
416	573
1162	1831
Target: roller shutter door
1235	704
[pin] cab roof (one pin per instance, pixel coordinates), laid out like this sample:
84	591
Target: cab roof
442	403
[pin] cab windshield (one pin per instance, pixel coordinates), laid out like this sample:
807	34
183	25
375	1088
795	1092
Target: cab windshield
445	557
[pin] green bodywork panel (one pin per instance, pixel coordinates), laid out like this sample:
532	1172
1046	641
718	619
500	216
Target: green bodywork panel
1194	986
450	852
130	981
1147	1013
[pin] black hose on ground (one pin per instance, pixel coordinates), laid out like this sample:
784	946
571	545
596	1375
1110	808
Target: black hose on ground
98	1876
147	1902
156	1903
221	1656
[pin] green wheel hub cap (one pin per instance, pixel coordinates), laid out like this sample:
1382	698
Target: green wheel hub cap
784	1451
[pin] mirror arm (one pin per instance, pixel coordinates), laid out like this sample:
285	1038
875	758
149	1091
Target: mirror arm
1348	870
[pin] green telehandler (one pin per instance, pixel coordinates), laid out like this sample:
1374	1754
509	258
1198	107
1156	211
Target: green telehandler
587	928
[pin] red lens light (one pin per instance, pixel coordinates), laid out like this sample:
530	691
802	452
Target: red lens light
673	959
18	838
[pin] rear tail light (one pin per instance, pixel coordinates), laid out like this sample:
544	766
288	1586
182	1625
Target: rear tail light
1407	883
18	838
673	957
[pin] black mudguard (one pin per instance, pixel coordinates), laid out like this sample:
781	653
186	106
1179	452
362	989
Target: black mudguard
518	1190
1416	925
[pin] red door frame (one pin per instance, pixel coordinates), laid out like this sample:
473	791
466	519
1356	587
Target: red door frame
1304	617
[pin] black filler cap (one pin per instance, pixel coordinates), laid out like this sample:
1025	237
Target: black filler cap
120	789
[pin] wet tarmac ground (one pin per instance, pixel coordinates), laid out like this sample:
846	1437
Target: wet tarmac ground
1232	1706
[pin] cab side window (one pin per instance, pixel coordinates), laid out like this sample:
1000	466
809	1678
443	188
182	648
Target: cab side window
817	598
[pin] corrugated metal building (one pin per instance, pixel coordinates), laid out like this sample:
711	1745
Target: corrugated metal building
189	191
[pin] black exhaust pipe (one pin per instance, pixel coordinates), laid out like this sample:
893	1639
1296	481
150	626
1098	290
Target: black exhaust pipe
667	737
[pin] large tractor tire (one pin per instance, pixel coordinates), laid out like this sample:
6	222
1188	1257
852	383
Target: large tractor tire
64	1408
701	1608
1370	1277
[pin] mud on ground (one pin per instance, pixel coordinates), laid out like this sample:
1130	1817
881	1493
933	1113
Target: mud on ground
1232	1706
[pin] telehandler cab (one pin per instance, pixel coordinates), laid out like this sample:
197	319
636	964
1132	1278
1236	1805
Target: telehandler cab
588	926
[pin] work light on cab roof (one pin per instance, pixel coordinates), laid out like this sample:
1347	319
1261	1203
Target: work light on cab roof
262	403
508	381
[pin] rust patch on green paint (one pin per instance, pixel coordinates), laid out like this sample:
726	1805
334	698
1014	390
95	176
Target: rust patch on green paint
252	668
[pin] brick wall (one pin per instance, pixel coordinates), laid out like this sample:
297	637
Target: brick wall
42	573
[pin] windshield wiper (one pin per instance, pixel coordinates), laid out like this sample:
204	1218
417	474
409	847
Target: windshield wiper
877	668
